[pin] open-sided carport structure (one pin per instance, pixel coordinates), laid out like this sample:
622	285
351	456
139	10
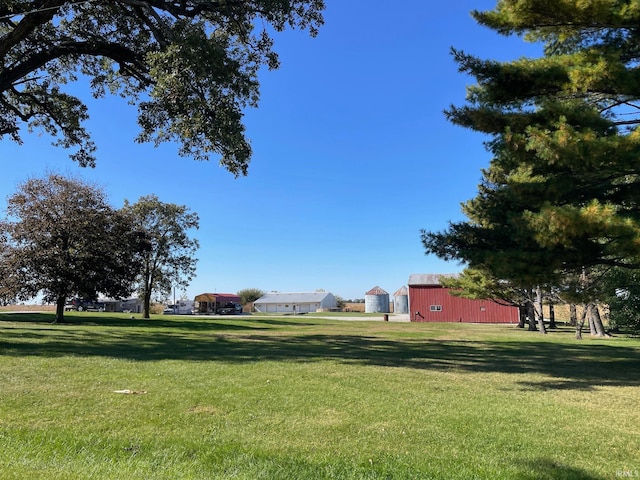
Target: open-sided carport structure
209	303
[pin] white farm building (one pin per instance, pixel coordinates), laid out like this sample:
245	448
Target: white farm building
295	302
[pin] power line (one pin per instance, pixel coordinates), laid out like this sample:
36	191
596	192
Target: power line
39	10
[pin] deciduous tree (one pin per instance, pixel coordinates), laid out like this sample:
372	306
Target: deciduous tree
63	239
621	292
170	259
249	295
191	66
477	283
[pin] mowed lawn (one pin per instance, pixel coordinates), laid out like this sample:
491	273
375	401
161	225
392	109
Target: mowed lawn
311	398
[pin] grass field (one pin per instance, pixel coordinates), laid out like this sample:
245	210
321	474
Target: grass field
311	398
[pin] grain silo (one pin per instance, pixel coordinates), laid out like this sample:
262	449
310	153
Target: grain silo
376	300
401	300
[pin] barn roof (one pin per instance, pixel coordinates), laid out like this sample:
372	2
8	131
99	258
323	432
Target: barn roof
376	291
217	297
429	279
302	297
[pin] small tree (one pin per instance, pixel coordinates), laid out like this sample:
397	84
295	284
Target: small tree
622	295
62	238
481	284
7	293
249	295
169	260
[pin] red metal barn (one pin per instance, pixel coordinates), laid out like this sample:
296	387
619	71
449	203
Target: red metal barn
430	302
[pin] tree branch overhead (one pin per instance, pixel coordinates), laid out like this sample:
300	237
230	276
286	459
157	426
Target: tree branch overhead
129	47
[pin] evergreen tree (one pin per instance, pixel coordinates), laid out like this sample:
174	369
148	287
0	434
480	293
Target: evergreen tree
561	195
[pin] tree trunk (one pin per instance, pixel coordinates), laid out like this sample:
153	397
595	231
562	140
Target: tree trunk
540	310
592	325
597	322
580	324
146	308
573	315
522	313
60	302
531	316
552	317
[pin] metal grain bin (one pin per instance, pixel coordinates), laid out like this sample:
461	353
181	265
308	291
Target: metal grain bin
401	300
376	300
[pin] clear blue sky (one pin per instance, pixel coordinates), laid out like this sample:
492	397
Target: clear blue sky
352	155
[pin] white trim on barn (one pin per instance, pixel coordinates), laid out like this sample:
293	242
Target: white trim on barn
295	302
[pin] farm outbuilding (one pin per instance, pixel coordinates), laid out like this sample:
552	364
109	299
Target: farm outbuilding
210	303
401	300
431	302
376	300
129	305
295	302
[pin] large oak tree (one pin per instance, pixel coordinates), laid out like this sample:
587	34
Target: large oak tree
191	66
61	238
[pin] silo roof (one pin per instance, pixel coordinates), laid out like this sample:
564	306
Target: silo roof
401	291
376	291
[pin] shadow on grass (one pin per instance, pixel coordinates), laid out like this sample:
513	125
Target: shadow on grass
27	317
382	467
569	365
194	323
545	468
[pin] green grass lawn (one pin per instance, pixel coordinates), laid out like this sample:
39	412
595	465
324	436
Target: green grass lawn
310	398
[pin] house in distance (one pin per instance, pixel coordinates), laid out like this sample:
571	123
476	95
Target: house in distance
431	302
277	302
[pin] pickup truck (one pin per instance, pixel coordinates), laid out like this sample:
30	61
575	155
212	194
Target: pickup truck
82	304
229	308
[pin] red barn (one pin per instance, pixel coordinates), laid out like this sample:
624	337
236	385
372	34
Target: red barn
431	302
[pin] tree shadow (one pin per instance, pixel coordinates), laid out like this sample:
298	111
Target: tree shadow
569	366
136	321
27	317
163	322
546	468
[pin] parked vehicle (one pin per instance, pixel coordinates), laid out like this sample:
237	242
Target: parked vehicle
183	307
84	305
229	308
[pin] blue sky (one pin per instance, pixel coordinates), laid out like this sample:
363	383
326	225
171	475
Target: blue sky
352	155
